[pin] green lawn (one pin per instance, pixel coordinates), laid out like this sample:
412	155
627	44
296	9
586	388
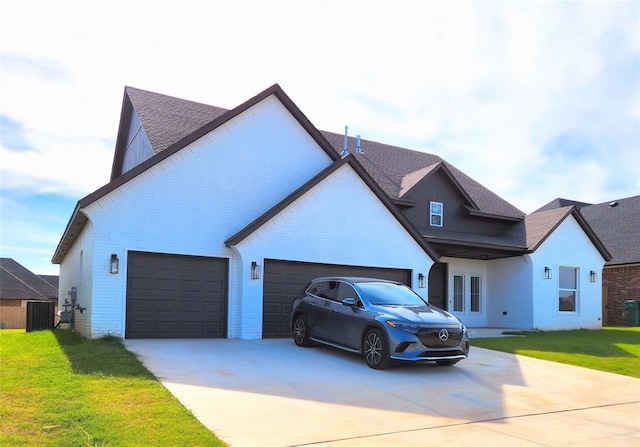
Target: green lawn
59	389
615	350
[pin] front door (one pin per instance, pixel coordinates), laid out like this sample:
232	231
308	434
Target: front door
438	285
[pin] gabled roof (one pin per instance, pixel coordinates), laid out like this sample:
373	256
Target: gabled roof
18	282
181	140
394	168
617	224
539	226
168	121
172	123
561	203
351	161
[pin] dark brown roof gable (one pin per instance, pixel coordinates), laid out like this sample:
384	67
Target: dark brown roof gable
540	225
390	165
18	282
413	179
357	167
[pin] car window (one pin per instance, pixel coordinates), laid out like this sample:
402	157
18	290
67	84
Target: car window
346	291
314	288
328	289
389	294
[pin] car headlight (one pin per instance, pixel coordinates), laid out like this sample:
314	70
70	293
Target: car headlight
407	327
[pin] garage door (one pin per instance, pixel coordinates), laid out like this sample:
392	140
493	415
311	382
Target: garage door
284	281
171	296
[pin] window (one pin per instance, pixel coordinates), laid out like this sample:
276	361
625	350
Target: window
327	289
568	293
475	294
458	293
435	214
346	291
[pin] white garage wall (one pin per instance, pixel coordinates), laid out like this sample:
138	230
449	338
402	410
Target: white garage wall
340	221
76	271
191	202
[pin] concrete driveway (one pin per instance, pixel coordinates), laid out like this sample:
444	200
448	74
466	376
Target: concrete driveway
272	393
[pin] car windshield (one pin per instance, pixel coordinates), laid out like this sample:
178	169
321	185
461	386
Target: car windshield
388	294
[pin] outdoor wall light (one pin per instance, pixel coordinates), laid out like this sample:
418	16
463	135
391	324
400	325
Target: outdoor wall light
593	276
255	270
547	273
113	267
422	283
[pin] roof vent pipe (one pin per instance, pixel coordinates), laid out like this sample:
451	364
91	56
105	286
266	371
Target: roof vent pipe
344	152
358	150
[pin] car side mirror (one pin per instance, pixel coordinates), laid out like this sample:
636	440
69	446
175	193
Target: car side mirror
349	302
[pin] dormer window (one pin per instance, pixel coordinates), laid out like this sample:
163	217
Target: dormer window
436	214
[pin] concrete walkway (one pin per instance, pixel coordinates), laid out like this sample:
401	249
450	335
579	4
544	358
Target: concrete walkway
272	393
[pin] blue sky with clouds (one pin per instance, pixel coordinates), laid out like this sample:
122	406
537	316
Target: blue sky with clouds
534	100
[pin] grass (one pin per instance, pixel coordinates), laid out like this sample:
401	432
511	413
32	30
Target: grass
615	350
59	389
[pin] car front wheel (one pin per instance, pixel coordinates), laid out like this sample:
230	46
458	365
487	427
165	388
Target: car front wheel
301	331
376	352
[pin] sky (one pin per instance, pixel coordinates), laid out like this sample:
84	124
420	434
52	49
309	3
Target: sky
534	100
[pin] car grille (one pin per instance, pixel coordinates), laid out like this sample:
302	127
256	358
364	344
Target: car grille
431	338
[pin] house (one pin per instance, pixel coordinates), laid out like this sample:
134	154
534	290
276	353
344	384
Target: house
18	286
215	219
617	224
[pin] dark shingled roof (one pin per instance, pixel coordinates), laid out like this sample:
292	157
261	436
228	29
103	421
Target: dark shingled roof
18	282
617	224
167	120
171	123
561	203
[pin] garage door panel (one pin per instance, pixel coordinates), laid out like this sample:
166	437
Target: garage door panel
164	307
189	306
284	281
140	283
192	285
212	328
172	296
213	308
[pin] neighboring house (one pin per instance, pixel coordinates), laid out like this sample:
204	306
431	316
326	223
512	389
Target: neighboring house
617	224
18	285
215	219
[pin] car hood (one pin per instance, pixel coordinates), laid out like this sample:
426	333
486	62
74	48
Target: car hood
419	314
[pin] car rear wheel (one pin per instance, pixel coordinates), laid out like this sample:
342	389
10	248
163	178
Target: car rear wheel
301	331
376	352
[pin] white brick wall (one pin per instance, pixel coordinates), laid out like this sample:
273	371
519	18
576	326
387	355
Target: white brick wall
190	203
510	290
340	221
76	271
568	246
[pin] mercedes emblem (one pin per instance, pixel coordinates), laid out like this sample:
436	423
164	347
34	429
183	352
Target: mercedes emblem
443	335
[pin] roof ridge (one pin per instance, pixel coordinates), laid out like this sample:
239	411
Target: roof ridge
20	280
